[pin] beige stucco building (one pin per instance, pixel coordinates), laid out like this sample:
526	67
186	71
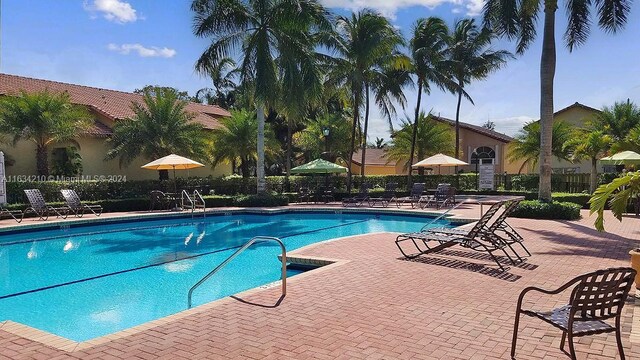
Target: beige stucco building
491	146
107	107
576	115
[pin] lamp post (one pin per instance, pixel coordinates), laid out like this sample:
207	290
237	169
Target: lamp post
326	132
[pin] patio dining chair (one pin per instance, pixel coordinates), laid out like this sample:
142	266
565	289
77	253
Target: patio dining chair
414	196
160	199
38	206
595	298
76	206
474	239
387	196
304	194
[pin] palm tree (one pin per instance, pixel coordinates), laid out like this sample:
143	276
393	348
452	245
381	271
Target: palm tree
367	61
262	30
618	120
432	137
221	75
526	146
43	118
472	59
589	144
517	20
428	47
313	142
160	126
236	140
380	143
616	195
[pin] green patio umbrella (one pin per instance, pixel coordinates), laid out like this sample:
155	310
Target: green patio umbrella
319	166
622	158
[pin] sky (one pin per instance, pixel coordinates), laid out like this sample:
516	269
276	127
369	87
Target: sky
127	44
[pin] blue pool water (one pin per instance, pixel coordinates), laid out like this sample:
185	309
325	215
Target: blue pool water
89	281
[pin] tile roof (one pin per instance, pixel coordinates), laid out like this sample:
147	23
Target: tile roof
577	105
476	128
372	157
99	130
111	103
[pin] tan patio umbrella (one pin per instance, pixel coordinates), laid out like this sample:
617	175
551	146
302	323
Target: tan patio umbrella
173	162
622	158
439	160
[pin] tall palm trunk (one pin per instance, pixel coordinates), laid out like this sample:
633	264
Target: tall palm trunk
287	164
261	181
458	121
593	179
364	133
42	160
547	72
356	120
244	168
415	132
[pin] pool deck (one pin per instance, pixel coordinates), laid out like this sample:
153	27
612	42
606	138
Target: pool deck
372	304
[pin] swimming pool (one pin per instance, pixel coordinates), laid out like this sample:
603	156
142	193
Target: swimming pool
89	281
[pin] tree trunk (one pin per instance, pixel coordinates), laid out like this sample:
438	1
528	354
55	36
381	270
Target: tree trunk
547	72
364	133
458	122
261	181
415	133
163	174
244	168
42	160
594	175
356	119
287	164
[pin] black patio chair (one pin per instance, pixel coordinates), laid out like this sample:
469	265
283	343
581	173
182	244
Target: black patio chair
76	206
38	206
474	239
414	196
304	194
360	199
158	198
439	198
387	197
596	297
323	194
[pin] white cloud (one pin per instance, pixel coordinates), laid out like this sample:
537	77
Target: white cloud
390	7
112	10
142	51
511	125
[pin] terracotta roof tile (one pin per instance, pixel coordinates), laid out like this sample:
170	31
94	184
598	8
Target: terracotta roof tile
372	157
111	103
479	129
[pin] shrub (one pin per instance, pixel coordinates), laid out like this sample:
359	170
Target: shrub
580	198
534	209
266	200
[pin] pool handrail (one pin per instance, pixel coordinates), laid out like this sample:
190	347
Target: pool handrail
232	256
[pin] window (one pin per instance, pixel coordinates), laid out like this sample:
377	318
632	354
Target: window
483	155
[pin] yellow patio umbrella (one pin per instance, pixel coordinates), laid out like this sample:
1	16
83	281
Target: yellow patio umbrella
173	162
439	160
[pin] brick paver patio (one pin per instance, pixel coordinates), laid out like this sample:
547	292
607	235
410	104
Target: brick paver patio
375	305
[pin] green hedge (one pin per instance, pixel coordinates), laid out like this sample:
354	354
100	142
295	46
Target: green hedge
534	209
266	200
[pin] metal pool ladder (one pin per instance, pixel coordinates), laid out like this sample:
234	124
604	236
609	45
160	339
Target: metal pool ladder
193	202
243	248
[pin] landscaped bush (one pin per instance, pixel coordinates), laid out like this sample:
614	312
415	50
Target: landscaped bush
580	198
534	209
266	200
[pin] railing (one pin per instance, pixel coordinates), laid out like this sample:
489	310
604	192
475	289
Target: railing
233	256
184	195
198	197
197	201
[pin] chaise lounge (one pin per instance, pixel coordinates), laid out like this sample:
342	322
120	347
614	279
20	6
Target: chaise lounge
39	206
76	206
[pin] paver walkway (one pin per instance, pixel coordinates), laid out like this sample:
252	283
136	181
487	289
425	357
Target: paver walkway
454	305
